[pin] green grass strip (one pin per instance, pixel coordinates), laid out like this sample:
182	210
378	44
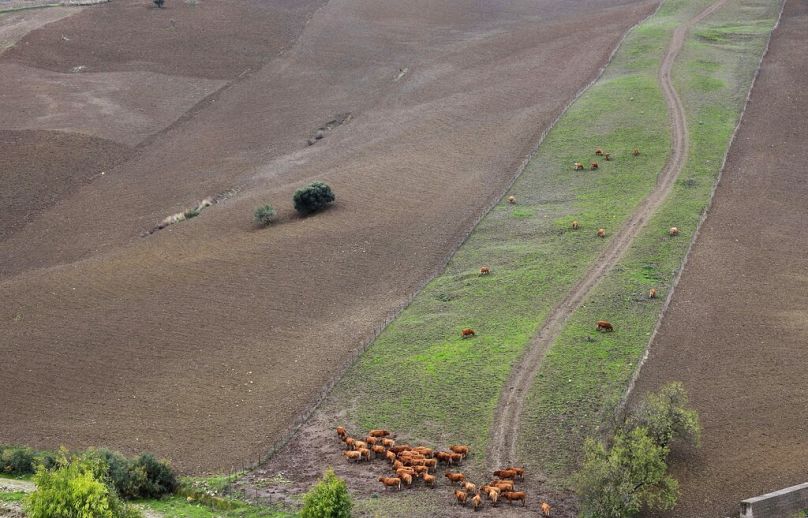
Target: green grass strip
584	371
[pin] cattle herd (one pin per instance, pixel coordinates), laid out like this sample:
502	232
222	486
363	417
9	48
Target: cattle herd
409	464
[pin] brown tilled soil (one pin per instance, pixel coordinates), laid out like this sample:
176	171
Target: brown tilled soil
736	329
203	341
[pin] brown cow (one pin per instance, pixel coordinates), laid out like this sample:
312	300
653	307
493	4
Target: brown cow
673	231
604	326
353	455
423	450
405	471
390	456
512	200
342	432
599	152
520	472
484	270
516	495
476	502
505	473
390	482
358	445
388	443
635	151
503	485
443	456
579	166
575	225
431	463
460	496
420	470
378	450
462	449
455	458
468	332
406	478
428	479
455	477
607	156
493	495
469	487
378	433
364	452
399	448
349	442
652	293
371	440
593	166
601	232
545	508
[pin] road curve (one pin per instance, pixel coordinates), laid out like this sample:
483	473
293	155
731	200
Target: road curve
502	445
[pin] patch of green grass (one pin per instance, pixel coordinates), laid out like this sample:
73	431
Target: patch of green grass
179	507
27	476
211	484
585	371
12	496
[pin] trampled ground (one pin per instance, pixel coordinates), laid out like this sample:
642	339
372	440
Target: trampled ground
203	341
736	329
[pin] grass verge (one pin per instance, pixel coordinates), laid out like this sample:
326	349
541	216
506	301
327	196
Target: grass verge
584	371
180	507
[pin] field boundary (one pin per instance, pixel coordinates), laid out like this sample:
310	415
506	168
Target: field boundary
632	382
492	202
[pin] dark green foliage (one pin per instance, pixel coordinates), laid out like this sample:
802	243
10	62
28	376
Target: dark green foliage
159	3
313	197
666	417
75	489
620	481
328	498
191	213
17	460
160	477
264	215
143	477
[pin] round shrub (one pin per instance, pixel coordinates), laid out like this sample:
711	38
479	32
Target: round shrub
160	477
75	489
313	197
264	215
17	460
328	498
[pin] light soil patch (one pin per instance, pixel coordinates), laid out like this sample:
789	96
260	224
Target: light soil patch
125	107
16	24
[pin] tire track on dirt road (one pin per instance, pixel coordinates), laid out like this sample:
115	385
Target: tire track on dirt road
502	446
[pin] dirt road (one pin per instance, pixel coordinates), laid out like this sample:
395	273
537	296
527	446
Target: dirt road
502	447
736	328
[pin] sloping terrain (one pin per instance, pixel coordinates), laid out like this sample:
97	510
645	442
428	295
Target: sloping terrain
203	341
736	329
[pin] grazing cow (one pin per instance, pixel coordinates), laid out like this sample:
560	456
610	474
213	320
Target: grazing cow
593	166
462	449
405	471
493	496
398	464
390	482
444	456
390	456
460	496
378	450
635	151
476	502
406	478
503	485
652	293
431	463
415	462
512	200
349	442
599	152
516	495
341	432
352	455
428	479
370	440
400	447
505	473
603	325
469	487
455	477
484	270
673	231
364	452
420	470
388	443
601	232
423	450
607	156
466	333
378	433
545	508
358	445
455	458
520	472
579	166
575	225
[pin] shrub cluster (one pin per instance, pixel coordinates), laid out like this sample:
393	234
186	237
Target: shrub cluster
620	478
264	215
328	498
20	460
313	197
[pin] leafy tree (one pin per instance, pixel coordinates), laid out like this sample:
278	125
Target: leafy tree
666	417
75	489
328	498
620	481
264	215
313	197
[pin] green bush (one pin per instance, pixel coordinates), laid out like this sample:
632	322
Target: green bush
328	498
160	477
313	197
620	481
17	460
75	489
666	417
264	215
143	477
